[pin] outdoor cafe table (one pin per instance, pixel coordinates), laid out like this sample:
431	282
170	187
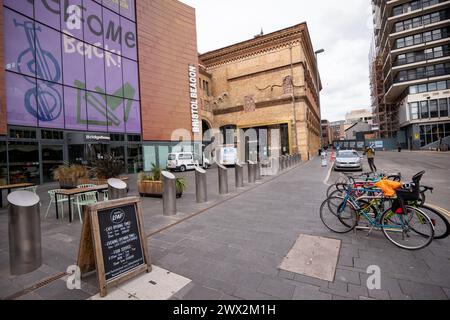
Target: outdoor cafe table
69	193
10	187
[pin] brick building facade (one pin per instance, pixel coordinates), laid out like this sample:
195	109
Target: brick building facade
265	83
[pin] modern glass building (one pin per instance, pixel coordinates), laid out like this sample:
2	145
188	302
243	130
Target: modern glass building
73	76
411	71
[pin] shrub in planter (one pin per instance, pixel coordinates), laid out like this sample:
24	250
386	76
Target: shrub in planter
107	167
150	184
68	175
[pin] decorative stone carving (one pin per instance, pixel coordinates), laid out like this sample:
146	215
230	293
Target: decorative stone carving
249	104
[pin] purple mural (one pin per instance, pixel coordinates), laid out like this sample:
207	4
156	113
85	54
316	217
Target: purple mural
75	109
66	80
116	121
18	90
73	60
71	18
114	82
48	12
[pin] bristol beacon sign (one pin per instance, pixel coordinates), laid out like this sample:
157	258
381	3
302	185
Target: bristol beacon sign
194	98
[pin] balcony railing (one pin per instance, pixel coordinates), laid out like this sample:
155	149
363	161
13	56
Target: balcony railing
422	56
411	76
414	6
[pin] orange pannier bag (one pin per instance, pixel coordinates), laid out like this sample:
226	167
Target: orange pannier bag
388	187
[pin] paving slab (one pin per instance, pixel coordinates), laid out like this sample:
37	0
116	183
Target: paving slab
313	256
159	284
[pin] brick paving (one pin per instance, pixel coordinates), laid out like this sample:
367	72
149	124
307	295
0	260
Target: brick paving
233	250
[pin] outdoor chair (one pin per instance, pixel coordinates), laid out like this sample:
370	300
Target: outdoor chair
31	189
60	199
83	200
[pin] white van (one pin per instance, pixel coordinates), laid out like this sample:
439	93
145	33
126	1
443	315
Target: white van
181	161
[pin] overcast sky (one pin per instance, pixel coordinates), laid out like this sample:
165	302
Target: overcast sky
342	28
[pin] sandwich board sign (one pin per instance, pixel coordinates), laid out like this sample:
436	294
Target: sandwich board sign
113	242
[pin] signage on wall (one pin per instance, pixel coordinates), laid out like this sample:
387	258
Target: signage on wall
70	72
113	242
96	137
193	92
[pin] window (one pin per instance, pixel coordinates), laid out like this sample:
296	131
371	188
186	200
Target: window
414	110
436	35
422	88
52	135
413	89
432	86
400	43
424	110
409	41
433	106
417	38
443	108
441	85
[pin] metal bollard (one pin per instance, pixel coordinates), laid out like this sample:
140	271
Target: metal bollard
251	172
223	179
25	252
201	190
258	171
275	165
291	162
285	162
281	163
117	189
169	194
239	175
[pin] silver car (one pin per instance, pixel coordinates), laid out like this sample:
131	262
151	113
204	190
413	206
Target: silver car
348	160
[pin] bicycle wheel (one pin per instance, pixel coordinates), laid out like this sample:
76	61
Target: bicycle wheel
412	230
335	187
338	216
440	222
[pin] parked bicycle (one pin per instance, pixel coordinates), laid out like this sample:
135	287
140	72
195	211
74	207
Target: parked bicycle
401	219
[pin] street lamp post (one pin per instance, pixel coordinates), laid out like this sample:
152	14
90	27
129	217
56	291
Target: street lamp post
318	94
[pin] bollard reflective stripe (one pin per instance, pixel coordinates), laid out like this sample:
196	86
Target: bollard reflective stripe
223	179
117	189
25	251
239	175
169	194
200	185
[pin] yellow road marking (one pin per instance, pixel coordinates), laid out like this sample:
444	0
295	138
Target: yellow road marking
445	211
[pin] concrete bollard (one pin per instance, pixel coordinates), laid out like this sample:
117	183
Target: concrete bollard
201	190
251	172
117	189
258	171
25	251
239	175
169	194
223	179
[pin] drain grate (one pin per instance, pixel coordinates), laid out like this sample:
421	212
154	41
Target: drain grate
36	286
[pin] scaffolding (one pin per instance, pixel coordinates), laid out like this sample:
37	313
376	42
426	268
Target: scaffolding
386	113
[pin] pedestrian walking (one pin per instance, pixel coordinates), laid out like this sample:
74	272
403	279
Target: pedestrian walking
370	152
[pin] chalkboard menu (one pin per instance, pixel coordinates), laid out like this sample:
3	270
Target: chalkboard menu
121	246
113	242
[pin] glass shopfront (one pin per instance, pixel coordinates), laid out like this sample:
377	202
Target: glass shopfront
23	162
3	163
31	155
